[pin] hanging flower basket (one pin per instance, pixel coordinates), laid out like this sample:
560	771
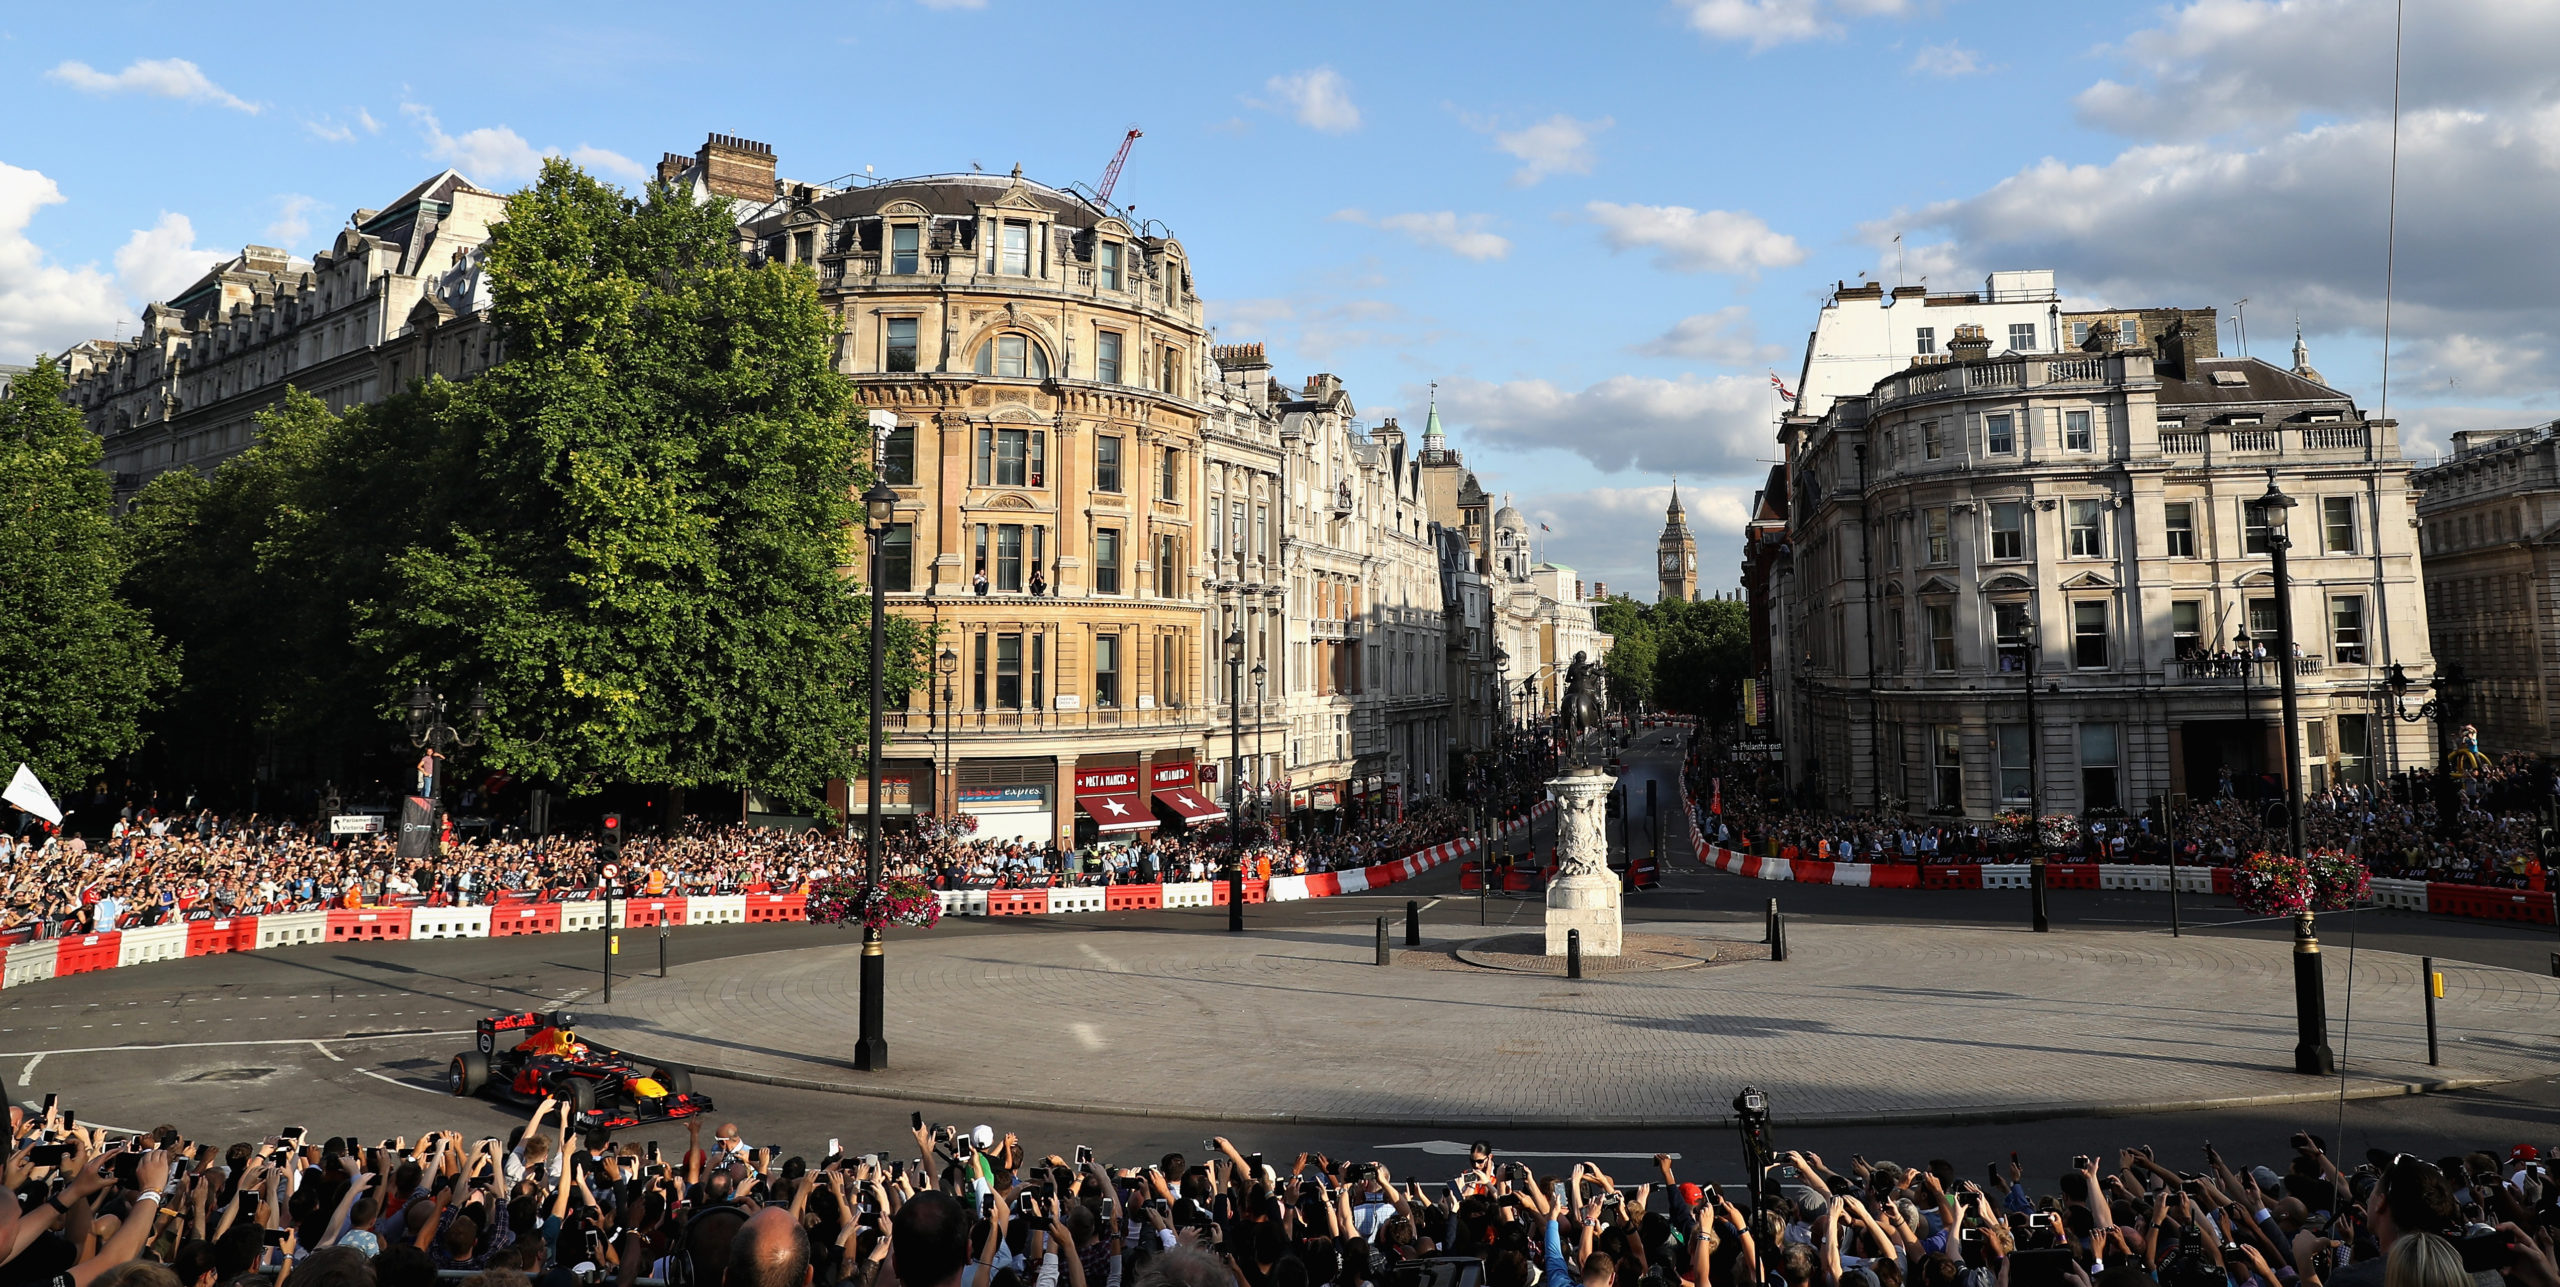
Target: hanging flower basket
2266	884
898	900
2339	880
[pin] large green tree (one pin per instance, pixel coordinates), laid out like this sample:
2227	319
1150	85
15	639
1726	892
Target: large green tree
79	666
1689	657
638	544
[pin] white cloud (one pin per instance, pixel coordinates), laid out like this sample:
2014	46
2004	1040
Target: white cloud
291	224
1776	22
1559	144
44	305
1606	533
1725	337
1461	235
159	77
2260	65
333	130
1319	98
1692	241
496	153
163	259
1318	327
1948	59
1689	425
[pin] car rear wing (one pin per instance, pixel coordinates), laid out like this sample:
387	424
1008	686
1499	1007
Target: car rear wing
495	1024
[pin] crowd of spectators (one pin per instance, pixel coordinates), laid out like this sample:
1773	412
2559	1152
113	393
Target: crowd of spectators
2393	826
958	1207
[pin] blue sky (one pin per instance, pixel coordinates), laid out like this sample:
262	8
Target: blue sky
1599	227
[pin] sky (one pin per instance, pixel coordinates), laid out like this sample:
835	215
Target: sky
1597	228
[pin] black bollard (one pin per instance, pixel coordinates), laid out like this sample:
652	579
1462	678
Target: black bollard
2433	984
1777	937
1382	941
1573	954
1769	923
1412	923
1652	823
2035	883
662	945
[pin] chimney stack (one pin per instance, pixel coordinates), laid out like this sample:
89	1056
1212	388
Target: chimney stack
736	167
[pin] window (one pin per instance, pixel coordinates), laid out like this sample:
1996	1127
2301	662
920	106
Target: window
1106	463
1009	558
1108	256
2346	629
1106	670
903	242
1946	763
1942	547
1926	339
978	671
1014	243
1169	370
2022	336
2079	334
2008	529
2089	634
901	351
2075	431
1012	457
2253	528
2009	633
1169	477
2186	627
1168	570
1106	560
2098	767
1942	637
2000	434
1013	356
2180	519
804	247
2262	623
1168	672
1930	447
2088	529
2127	336
1106	356
898	557
1039	671
898	456
2355	741
2338	524
1009	672
1901	641
2017	774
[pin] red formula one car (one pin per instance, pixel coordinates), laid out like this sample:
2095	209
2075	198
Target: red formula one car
524	1057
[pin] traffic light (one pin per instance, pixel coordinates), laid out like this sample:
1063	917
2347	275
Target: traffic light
610	843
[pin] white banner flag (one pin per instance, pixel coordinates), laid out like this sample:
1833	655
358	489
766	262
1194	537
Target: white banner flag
28	794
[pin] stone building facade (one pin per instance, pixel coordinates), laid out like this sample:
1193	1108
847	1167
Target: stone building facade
398	295
2088	513
2490	530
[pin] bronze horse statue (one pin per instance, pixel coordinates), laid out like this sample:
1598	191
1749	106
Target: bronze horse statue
1579	712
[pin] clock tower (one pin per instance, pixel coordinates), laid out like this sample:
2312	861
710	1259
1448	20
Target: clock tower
1679	554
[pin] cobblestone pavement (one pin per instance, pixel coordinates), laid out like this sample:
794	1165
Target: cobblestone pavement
1863	1023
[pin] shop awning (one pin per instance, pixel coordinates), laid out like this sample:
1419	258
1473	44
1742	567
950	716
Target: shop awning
1116	811
1194	807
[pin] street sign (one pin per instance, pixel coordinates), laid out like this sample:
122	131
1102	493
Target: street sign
356	824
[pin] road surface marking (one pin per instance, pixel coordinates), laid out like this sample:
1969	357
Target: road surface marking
1104	961
1452	1148
397	1082
28	1073
199	1045
333	1058
1086	1035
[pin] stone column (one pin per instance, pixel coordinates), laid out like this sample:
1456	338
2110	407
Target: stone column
1584	894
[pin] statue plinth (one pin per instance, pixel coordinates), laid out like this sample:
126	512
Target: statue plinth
1584	894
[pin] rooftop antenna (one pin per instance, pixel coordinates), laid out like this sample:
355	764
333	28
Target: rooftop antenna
2240	319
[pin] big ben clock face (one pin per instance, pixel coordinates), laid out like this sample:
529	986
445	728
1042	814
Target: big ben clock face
1671	562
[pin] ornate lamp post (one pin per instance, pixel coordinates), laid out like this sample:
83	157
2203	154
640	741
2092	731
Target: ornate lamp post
429	732
1261	791
949	665
871	1050
1235	762
2311	1053
2446	708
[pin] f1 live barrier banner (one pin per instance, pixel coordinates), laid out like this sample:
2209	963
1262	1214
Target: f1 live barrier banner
417	827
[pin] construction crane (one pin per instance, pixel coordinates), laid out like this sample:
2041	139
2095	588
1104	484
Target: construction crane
1111	172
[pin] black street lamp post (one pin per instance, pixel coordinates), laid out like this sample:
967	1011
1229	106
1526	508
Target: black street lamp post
949	665
1262	786
1235	763
2446	708
2311	1053
871	1050
429	732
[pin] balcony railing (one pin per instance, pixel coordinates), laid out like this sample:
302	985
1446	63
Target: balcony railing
2236	670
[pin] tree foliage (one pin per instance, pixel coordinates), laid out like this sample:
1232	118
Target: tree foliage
79	665
1689	657
632	531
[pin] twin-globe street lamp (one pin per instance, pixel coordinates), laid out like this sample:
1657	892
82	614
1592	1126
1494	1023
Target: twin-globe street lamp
2311	1053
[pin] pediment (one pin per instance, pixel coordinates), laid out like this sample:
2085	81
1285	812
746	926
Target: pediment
1937	585
1007	501
2007	582
2255	576
2088	581
903	208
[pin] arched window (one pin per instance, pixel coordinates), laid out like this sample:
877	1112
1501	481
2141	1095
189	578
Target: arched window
1013	355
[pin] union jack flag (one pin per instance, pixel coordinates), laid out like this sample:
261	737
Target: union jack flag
1781	387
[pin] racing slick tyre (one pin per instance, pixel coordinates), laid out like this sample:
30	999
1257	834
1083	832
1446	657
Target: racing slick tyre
469	1074
578	1092
678	1081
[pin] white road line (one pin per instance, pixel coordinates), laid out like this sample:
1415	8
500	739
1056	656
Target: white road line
333	1058
1104	961
397	1082
28	1073
199	1045
1086	1035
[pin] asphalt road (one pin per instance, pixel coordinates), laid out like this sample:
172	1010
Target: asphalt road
354	1040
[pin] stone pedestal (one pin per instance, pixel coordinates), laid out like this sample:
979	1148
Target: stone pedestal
1584	894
